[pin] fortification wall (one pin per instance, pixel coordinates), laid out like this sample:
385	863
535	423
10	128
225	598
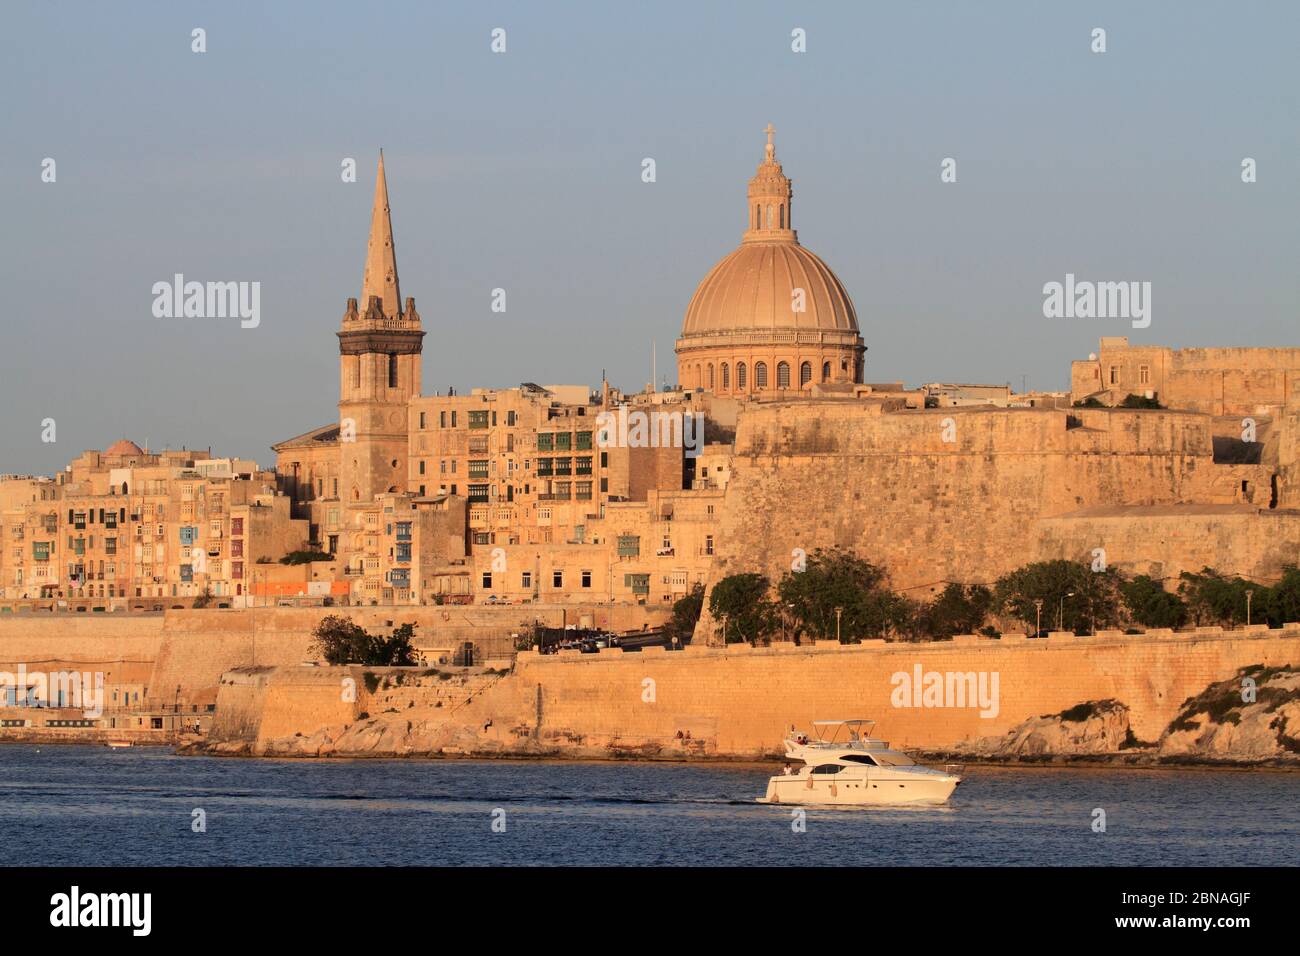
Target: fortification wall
189	650
78	639
967	494
751	696
740	701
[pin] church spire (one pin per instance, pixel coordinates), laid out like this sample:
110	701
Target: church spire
768	215
381	259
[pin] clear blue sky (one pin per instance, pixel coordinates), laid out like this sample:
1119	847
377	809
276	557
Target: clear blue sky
522	171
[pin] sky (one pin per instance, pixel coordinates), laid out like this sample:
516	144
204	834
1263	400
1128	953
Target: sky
522	170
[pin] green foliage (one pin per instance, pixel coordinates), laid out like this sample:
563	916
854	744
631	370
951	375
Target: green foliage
305	557
742	599
1150	605
1139	401
686	611
1213	599
1090	402
958	610
1082	599
341	641
837	579
1281	605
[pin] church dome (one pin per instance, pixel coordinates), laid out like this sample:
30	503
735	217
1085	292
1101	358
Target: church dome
123	449
772	314
755	288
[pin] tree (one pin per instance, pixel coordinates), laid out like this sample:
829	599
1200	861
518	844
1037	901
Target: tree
686	612
1281	604
1150	605
341	641
1139	401
1084	600
1213	599
742	600
958	610
837	579
305	557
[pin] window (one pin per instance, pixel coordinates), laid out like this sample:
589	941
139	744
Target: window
478	468
564	441
740	376
760	375
478	419
708	544
557	579
826	371
710	375
478	494
860	758
726	376
487	580
586	579
526	579
639	583
1144	374
421	421
629	545
546	442
1114	375
783	375
392	370
805	374
583	441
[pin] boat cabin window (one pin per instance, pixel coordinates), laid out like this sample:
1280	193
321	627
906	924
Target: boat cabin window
890	759
859	758
827	768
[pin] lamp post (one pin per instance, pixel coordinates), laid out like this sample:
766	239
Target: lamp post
1060	610
1249	594
1038	611
839	611
724	630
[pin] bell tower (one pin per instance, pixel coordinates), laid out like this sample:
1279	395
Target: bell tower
379	368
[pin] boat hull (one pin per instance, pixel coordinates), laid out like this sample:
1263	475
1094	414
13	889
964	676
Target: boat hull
914	790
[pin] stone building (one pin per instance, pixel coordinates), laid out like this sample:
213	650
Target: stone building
1218	381
129	528
527	469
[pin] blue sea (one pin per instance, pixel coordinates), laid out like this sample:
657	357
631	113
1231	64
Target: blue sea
91	806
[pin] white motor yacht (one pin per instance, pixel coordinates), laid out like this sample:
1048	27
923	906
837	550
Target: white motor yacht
845	766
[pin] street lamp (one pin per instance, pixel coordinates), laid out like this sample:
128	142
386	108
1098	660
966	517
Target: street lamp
839	611
1038	609
1060	610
